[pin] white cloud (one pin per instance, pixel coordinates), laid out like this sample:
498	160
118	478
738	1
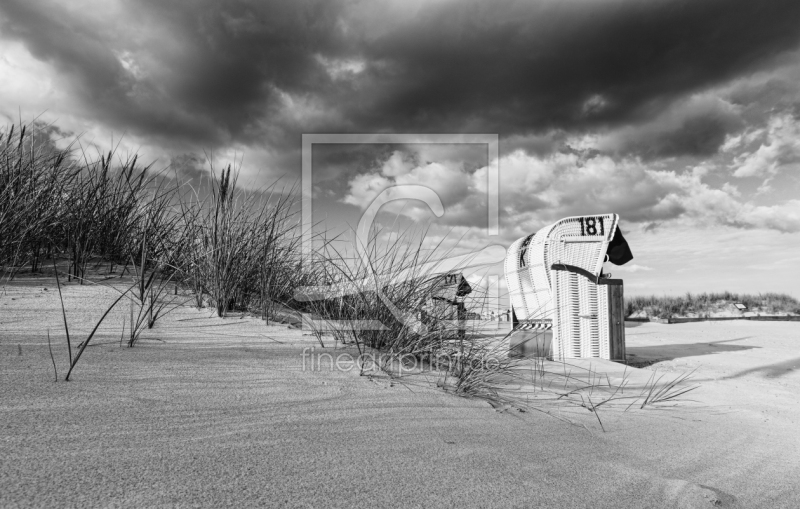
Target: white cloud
301	109
398	164
731	189
780	149
449	180
784	217
338	68
633	268
732	142
595	104
535	191
27	83
566	184
364	189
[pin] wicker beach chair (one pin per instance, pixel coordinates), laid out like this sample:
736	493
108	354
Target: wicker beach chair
554	285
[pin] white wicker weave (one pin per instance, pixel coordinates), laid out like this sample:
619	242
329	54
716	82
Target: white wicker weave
578	309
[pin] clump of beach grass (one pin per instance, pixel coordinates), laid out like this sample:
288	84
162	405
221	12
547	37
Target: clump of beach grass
557	387
57	202
244	246
33	182
235	249
380	299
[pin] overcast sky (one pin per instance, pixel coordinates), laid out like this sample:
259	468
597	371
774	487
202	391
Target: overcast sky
682	116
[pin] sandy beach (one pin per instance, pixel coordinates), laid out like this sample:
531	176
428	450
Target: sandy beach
423	254
211	412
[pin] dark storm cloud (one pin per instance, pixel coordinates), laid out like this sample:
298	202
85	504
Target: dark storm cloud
569	64
199	71
102	85
697	127
234	57
217	72
700	136
761	98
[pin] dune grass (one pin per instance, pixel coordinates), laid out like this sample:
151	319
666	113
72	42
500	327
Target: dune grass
33	185
244	247
236	249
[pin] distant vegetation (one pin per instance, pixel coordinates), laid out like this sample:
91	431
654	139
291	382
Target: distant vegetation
710	304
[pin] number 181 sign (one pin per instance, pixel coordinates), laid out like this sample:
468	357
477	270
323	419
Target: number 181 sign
592	225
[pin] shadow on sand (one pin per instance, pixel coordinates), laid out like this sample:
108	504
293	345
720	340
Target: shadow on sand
646	355
775	370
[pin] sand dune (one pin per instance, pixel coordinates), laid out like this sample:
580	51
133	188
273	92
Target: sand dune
212	412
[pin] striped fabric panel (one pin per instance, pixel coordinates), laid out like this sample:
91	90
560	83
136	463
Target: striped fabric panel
513	282
534	326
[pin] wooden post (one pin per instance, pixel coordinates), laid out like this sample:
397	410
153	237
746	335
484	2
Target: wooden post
133	328
152	304
461	316
616	318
